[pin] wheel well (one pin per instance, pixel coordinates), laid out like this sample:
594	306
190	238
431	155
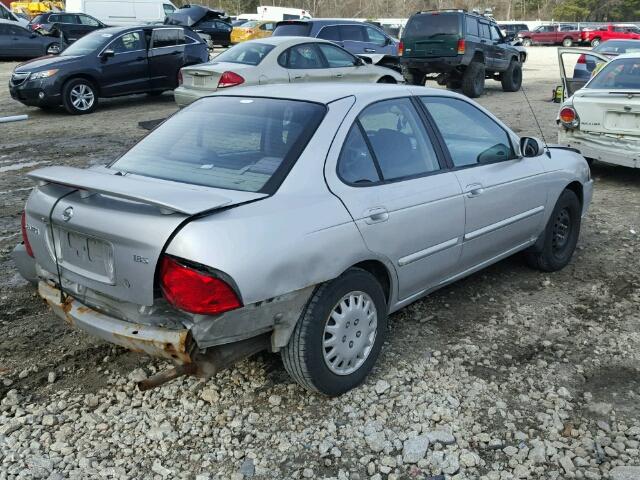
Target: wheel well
86	77
576	187
478	57
378	270
387	79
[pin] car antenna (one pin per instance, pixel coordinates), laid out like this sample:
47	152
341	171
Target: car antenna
544	140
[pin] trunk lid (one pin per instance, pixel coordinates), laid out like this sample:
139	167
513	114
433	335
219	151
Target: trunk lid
106	231
605	111
206	77
432	35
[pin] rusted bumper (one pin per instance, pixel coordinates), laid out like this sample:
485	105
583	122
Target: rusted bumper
155	341
621	150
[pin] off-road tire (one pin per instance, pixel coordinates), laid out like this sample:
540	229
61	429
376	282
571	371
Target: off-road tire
567	42
67	101
414	77
473	80
548	257
303	356
527	42
511	78
454	83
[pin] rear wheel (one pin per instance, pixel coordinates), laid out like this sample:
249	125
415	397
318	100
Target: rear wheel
79	96
414	77
339	335
512	77
595	42
473	80
567	42
560	235
527	42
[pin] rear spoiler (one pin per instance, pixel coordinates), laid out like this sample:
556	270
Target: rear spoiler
169	197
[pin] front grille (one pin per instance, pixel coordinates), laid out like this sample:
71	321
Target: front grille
19	78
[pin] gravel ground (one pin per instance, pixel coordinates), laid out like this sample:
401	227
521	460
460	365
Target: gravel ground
507	374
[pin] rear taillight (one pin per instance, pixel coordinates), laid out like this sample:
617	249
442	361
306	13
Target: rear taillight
582	59
230	79
195	291
461	46
569	117
36	26
180	79
400	49
25	239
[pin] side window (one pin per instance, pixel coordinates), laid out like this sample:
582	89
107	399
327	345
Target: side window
471	136
376	37
484	30
92	22
223	26
472	26
352	32
268	26
399	142
129	42
356	165
336	57
330	33
167	37
495	33
73	19
305	56
5	14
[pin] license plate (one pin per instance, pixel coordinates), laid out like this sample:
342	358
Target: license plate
199	81
622	121
85	255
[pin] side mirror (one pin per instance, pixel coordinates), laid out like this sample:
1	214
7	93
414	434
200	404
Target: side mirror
359	62
108	53
531	147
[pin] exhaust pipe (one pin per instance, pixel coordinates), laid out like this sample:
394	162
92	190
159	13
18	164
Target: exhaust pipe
166	376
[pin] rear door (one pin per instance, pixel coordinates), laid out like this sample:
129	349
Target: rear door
305	63
354	38
385	169
127	71
69	24
576	67
378	44
166	57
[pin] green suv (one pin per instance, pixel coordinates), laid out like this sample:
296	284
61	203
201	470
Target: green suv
462	48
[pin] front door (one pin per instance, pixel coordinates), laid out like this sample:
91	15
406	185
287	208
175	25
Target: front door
166	57
343	66
305	63
505	195
584	63
408	208
127	71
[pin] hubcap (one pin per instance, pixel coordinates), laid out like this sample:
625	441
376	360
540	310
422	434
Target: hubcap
82	97
350	333
561	230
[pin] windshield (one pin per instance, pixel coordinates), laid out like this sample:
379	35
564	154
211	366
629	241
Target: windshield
245	53
619	74
431	25
237	143
618	47
250	24
87	44
294	29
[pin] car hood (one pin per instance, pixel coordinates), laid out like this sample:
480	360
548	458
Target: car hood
42	63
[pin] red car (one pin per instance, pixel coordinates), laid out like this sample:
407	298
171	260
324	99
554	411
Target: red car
564	34
610	32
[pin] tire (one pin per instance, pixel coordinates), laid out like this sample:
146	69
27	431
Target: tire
72	103
414	77
560	235
512	77
567	42
306	357
595	42
527	42
390	80
454	84
53	49
473	80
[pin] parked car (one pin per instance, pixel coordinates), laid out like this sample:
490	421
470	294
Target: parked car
237	23
123	12
18	42
111	62
252	30
278	60
610	32
462	48
408	188
602	118
72	25
565	35
586	63
513	28
205	21
361	39
9	16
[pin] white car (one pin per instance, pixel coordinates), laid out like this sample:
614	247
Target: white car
602	119
278	60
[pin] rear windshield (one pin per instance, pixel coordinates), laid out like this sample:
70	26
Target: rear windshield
618	47
237	143
87	44
250	24
246	53
298	29
620	74
430	25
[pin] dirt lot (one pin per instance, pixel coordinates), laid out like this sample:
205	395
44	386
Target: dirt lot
536	376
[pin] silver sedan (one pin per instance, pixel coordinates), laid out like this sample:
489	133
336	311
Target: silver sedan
278	60
295	221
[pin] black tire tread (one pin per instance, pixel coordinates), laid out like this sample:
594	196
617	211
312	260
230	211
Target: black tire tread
468	78
507	77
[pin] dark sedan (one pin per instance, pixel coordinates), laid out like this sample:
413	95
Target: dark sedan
73	26
108	63
18	42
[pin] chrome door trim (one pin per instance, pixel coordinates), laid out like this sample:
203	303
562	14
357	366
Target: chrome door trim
427	251
503	223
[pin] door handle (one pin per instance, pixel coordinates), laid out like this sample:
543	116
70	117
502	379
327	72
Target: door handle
297	77
339	75
474	190
376	215
370	50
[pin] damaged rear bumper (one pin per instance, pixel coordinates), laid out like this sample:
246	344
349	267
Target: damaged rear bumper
621	150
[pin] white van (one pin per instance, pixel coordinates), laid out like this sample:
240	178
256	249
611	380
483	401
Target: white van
281	13
123	12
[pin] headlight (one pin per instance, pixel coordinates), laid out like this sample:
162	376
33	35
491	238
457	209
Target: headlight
43	74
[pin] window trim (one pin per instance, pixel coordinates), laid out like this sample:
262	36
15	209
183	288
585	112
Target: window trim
443	143
430	135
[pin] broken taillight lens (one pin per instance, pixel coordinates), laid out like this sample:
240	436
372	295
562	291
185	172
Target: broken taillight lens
230	79
25	239
195	291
